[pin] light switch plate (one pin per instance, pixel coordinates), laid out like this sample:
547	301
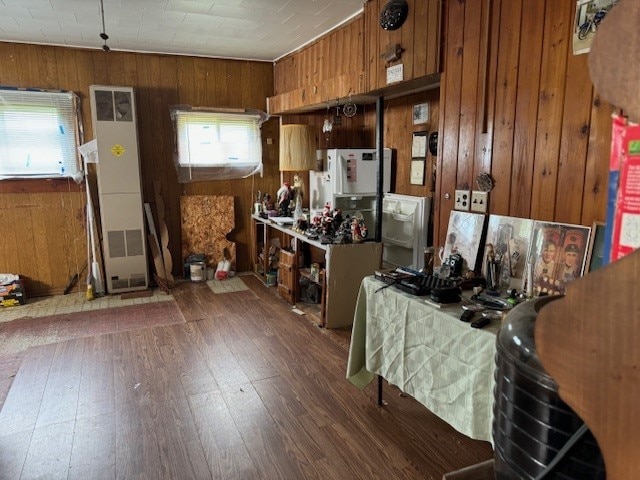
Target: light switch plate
462	200
479	201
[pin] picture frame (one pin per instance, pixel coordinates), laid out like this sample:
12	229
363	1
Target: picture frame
417	171
557	255
464	237
420	113
510	240
595	252
589	14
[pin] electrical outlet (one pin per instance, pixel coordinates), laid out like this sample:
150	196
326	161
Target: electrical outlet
462	200
479	201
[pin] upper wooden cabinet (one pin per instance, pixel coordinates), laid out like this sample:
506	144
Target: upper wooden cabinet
349	60
419	37
330	68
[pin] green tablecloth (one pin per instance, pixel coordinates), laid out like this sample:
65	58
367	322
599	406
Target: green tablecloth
428	353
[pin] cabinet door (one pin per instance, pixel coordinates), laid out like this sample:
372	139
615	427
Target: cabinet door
347	265
287	276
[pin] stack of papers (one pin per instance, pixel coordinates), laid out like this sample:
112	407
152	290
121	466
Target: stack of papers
282	220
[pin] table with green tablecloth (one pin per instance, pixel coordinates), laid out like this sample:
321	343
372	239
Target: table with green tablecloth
428	353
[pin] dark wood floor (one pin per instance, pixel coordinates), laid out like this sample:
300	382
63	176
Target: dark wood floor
244	389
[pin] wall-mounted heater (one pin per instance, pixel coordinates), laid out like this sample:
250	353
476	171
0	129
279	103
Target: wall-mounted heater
113	113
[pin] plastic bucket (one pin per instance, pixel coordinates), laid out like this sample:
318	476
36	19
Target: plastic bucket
198	272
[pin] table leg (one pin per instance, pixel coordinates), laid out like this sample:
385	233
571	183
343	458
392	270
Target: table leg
380	403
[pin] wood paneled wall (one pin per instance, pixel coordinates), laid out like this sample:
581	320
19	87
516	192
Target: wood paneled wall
329	68
359	132
516	103
159	81
419	36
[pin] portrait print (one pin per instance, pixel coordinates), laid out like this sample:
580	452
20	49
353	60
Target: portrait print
557	256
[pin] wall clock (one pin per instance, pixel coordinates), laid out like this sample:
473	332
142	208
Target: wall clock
393	14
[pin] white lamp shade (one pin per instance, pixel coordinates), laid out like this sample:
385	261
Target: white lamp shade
297	148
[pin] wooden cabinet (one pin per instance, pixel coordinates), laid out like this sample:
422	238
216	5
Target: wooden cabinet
345	267
287	277
349	61
328	69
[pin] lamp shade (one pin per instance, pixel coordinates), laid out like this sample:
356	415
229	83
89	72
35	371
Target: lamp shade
297	148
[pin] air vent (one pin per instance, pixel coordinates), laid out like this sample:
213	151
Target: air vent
116	244
120	284
134	243
138	280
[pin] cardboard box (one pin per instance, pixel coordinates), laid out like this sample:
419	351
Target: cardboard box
479	471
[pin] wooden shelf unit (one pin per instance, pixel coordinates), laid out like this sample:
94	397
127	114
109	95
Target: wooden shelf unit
345	267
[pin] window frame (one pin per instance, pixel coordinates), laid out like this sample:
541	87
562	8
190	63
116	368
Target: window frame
71	120
191	169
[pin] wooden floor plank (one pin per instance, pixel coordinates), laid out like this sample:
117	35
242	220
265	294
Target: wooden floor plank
96	396
49	452
247	390
224	448
264	443
21	407
60	397
93	454
13	452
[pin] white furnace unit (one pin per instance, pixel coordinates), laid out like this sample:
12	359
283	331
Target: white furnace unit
113	113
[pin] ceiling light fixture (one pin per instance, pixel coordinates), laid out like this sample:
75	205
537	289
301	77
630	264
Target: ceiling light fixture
103	35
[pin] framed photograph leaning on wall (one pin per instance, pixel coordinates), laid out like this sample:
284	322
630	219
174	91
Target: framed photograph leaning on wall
557	255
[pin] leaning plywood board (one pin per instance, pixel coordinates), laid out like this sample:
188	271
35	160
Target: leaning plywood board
206	222
347	265
164	235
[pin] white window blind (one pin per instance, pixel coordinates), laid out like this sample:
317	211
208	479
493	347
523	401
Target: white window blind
217	145
38	134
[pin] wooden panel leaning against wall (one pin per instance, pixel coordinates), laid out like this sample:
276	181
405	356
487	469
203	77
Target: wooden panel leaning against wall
159	81
527	113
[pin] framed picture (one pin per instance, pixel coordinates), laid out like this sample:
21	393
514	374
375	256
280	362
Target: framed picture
589	14
417	171
557	255
464	236
420	113
509	238
595	252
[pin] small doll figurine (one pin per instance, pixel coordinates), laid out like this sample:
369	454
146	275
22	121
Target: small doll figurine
363	230
285	195
267	203
356	232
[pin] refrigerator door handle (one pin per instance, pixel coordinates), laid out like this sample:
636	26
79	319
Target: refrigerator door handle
342	165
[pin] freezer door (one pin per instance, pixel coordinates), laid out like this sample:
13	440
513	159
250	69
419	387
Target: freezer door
404	230
355	171
347	172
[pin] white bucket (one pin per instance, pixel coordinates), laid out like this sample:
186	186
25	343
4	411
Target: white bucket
198	272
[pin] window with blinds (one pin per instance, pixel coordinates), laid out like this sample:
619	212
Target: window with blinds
217	145
38	134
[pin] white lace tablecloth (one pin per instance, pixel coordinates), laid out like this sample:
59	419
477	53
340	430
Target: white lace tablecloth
428	353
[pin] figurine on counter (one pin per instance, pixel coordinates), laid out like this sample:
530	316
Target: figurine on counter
285	195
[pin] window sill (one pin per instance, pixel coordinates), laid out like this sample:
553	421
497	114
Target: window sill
39	185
